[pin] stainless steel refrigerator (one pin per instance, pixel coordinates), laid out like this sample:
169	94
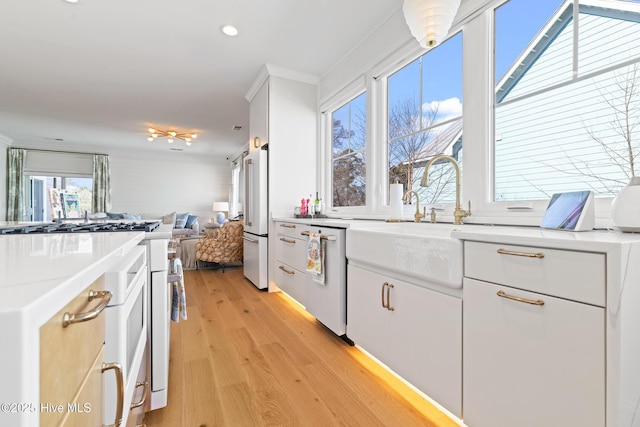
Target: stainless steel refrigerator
256	218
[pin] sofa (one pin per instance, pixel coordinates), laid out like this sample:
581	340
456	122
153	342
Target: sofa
184	225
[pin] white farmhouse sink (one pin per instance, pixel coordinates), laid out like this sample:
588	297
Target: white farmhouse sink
421	250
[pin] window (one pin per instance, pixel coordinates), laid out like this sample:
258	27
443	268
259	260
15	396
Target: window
59	197
567	98
424	119
348	153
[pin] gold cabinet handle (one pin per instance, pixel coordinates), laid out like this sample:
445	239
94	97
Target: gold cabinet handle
144	384
288	240
388	301
524	254
384	285
286	271
256	142
288	225
514	298
120	387
69	319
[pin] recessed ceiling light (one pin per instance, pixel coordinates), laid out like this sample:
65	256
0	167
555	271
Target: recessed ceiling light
71	1
229	30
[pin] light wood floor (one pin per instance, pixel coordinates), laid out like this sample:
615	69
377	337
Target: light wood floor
251	358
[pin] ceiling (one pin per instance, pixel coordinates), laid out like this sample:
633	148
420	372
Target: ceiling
98	73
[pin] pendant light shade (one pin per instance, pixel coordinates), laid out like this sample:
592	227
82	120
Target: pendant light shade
430	20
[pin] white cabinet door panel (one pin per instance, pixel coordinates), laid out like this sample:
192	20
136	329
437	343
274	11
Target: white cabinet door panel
366	318
426	342
531	365
420	339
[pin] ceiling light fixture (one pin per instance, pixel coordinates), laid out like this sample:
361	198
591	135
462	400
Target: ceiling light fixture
229	30
429	20
170	135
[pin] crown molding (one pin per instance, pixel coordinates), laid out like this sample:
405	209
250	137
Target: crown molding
269	70
5	141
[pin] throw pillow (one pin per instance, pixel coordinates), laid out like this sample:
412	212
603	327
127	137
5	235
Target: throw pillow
181	220
132	217
112	215
191	219
169	218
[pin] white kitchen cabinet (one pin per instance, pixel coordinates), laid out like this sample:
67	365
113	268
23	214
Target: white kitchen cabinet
416	332
259	118
530	358
283	116
291	260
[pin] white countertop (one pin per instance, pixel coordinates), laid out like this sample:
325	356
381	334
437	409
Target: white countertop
35	268
596	240
592	241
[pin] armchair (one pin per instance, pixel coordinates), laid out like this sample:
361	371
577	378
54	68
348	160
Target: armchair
221	245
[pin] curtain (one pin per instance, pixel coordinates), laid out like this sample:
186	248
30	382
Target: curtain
16	185
101	201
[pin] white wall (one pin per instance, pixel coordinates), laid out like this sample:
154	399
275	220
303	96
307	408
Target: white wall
162	185
384	41
151	182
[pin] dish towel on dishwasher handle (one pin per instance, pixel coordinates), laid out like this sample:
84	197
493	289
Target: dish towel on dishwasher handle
179	299
315	257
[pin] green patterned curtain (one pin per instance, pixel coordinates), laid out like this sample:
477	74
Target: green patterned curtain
16	185
101	184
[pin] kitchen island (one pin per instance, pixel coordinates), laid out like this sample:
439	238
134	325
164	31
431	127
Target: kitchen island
39	275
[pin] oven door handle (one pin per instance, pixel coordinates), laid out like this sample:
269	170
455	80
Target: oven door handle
145	384
69	319
120	386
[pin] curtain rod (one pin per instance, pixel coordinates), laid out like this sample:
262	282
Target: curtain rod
56	151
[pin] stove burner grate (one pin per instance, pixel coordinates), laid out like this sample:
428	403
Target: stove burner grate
80	227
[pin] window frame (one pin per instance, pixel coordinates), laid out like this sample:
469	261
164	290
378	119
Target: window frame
335	102
478	111
481	173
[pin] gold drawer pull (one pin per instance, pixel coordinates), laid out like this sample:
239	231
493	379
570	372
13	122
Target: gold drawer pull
145	384
525	254
69	319
527	301
287	225
120	387
389	307
288	240
286	271
384	285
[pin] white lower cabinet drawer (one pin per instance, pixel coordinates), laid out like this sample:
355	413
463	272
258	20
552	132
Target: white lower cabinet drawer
536	361
291	281
292	251
578	276
290	229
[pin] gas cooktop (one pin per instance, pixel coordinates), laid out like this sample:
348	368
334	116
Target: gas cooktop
79	227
